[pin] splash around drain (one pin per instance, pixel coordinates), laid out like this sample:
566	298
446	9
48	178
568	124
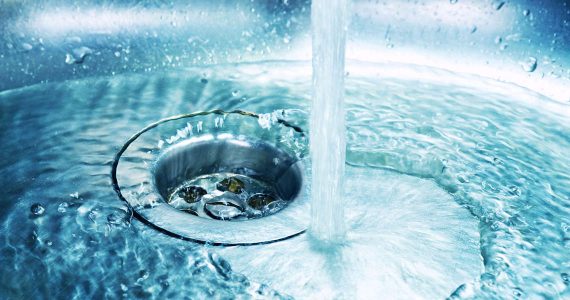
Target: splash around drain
227	178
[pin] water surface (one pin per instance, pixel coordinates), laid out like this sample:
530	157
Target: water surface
490	158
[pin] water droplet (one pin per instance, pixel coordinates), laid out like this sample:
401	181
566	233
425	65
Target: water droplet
499	4
517	292
62	207
473	29
266	120
73	39
526	12
68	59
530	64
26	47
565	278
221	265
117	53
204	80
453	1
74	195
235	93
462	179
37	209
219	122
49	243
77	55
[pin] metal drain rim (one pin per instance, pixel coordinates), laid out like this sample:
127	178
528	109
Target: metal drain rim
290	222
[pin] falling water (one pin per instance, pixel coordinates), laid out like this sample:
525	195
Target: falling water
328	142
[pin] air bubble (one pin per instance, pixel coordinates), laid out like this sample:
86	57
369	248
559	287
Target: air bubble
453	1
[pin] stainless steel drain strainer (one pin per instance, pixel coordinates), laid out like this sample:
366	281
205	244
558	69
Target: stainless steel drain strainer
217	177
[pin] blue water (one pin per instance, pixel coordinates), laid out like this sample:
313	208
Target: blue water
493	155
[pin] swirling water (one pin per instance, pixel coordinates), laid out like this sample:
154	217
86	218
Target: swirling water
483	164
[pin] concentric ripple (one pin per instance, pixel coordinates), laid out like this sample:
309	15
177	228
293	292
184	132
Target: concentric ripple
499	152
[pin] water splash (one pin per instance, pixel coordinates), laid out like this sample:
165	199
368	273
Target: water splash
328	141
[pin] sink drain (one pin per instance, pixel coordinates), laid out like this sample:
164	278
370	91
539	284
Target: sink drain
227	178
216	177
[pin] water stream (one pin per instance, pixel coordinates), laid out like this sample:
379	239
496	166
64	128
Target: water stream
327	132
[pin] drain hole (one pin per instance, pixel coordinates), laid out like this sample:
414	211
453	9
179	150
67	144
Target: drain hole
227	178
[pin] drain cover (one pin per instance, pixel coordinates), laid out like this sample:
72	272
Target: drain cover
227	178
216	177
